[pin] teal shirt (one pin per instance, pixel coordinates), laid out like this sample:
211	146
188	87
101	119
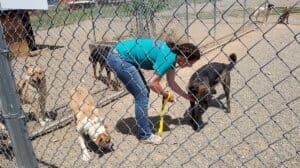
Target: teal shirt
148	53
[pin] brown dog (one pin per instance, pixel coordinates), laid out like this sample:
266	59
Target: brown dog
284	17
88	121
98	57
202	86
33	90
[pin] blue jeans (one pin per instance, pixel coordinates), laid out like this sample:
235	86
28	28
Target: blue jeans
135	83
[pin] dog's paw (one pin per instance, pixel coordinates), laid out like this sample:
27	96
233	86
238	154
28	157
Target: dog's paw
197	126
51	115
47	119
42	122
116	85
227	110
117	88
86	157
188	113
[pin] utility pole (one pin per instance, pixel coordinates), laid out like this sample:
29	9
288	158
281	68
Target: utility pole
12	112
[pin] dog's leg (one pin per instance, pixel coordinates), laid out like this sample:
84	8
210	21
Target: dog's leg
38	112
85	153
107	79
256	15
226	87
267	15
196	116
42	100
192	115
115	82
101	65
108	74
95	70
194	120
200	123
279	20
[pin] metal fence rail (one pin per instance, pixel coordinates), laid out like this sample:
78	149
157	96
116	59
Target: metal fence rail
262	129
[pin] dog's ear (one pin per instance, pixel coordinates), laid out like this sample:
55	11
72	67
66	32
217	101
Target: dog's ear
28	69
203	87
202	90
102	139
99	139
25	68
38	69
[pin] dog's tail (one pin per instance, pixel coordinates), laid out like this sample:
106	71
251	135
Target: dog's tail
232	59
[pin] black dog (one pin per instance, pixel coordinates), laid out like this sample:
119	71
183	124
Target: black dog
284	17
202	86
98	56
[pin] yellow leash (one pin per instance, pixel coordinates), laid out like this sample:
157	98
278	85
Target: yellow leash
162	113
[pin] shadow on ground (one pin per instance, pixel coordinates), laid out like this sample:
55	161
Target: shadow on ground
129	125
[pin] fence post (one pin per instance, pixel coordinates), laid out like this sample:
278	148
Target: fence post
244	14
93	24
139	18
187	19
215	16
12	111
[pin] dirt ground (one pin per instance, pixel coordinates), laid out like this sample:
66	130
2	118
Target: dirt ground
262	129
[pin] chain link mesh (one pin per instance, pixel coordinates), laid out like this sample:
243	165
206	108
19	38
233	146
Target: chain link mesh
262	129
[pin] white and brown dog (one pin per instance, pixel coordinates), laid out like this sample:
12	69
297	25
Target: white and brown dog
264	12
88	121
33	90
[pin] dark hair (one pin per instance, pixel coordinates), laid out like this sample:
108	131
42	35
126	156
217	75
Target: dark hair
187	50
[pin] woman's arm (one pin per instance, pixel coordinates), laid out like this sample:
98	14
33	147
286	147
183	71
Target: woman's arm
174	86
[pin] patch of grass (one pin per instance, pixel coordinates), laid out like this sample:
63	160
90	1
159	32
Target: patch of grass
281	9
296	10
62	15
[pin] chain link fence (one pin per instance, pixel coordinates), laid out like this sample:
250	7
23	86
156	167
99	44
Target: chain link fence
262	129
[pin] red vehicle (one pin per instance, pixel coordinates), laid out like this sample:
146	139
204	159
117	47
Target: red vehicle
77	4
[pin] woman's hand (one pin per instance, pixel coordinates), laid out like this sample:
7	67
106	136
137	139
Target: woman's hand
168	96
174	86
154	84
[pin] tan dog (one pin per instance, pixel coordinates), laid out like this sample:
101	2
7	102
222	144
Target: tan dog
88	121
32	90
